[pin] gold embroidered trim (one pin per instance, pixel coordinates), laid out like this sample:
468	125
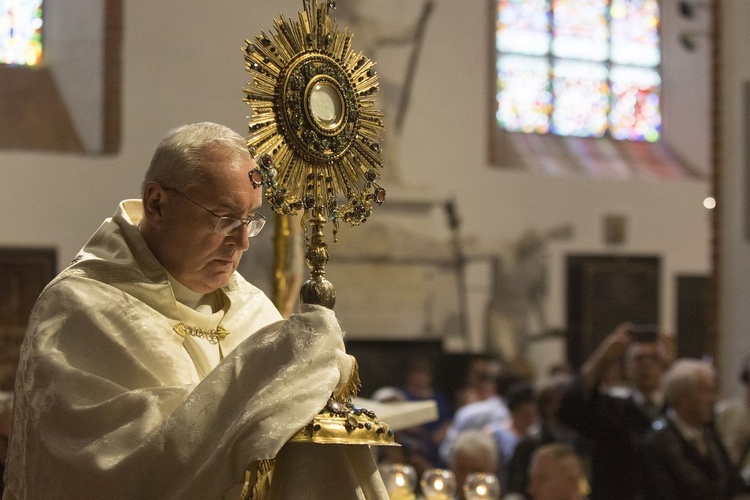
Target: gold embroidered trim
214	336
352	387
260	490
197	368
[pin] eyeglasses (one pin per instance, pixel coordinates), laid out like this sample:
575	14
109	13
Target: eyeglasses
227	225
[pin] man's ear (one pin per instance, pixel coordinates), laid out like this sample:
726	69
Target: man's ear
153	199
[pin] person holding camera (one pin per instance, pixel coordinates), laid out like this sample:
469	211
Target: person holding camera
614	420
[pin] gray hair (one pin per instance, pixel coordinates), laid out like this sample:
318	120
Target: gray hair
683	377
178	159
475	443
564	455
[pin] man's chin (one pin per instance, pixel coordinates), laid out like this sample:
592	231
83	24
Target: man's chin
221	280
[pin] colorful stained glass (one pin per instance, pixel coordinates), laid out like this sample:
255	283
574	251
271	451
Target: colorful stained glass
523	95
603	78
635	113
579	29
580	93
21	32
635	32
523	26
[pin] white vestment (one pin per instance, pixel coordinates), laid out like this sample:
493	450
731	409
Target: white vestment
111	402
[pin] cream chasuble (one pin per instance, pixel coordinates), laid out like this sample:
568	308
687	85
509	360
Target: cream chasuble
110	404
301	470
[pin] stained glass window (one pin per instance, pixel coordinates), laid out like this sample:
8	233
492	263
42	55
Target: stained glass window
21	32
524	97
584	68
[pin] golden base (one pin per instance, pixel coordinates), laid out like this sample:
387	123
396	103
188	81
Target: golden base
344	423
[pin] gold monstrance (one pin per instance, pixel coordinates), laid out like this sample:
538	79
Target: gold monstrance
315	132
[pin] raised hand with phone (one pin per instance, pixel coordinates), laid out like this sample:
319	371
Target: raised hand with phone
613	402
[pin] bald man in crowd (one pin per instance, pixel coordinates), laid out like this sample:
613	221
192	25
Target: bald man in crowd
556	473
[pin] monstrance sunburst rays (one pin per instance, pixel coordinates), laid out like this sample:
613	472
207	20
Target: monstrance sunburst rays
314	118
315	131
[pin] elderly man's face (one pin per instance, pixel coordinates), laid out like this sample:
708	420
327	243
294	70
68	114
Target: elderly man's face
697	407
192	251
643	366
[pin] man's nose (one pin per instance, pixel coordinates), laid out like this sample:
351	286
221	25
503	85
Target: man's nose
239	237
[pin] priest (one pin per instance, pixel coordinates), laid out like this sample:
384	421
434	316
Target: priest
151	368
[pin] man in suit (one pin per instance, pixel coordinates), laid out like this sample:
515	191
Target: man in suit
683	456
614	419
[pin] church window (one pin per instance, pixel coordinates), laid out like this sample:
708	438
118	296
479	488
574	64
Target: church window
21	32
581	68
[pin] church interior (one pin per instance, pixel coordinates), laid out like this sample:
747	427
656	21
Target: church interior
529	247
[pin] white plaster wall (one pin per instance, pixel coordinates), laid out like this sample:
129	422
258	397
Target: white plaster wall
735	248
74	51
182	62
686	79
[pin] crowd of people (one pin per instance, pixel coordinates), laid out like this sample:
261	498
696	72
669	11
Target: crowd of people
633	423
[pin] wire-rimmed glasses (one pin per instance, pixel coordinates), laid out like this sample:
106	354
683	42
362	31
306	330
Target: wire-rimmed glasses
227	225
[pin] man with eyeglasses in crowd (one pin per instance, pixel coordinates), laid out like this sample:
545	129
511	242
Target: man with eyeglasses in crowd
682	455
151	369
614	419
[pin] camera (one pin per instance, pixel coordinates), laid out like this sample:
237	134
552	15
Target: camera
644	333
